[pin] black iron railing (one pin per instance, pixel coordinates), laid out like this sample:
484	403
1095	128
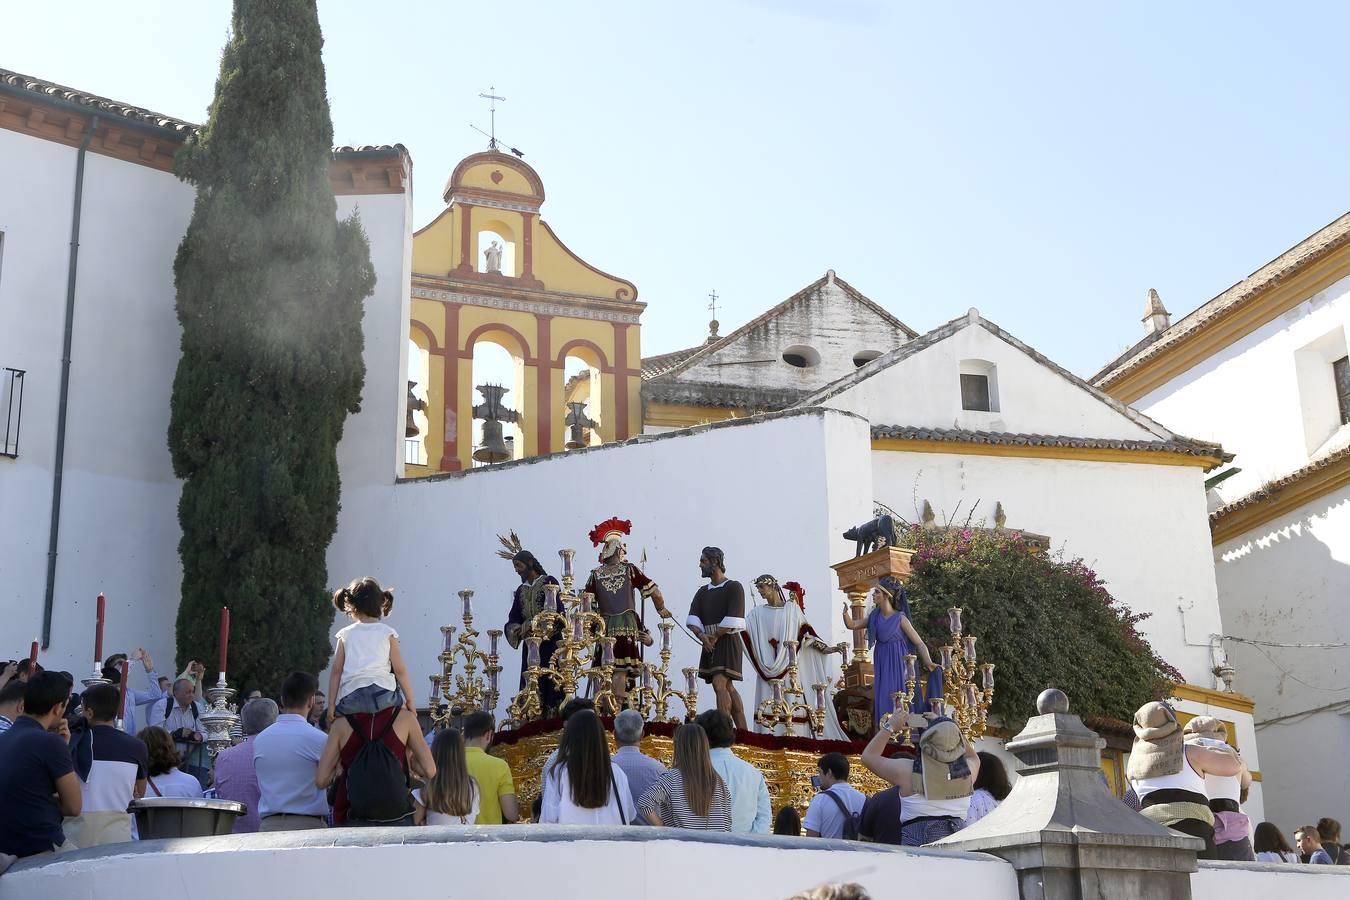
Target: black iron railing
11	396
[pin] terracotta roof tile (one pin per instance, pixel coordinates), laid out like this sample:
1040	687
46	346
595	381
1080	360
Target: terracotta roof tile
963	436
1312	248
1270	489
17	83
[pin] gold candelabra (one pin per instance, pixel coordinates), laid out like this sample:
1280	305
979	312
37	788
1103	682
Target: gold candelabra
789	701
581	629
654	694
468	689
966	704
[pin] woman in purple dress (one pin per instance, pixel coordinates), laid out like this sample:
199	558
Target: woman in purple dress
891	636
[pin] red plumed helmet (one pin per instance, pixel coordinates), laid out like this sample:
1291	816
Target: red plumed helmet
608	527
797	591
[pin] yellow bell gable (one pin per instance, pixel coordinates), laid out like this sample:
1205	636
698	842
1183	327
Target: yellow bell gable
488	268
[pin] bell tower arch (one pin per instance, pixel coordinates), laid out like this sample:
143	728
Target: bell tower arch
489	268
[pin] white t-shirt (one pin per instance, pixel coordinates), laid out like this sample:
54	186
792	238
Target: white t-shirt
175	783
823	815
436	818
559	809
366	645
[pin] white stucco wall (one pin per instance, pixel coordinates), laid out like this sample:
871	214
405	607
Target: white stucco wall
560	861
1287	582
1265	397
119	528
1261	881
118	523
828	320
925	390
727	485
1141	527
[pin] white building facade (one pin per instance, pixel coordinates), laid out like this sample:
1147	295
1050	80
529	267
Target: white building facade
965	413
1263	367
118	527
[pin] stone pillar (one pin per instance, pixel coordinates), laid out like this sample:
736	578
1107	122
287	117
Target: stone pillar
1063	830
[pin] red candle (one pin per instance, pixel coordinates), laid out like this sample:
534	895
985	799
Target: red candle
122	693
98	632
224	636
32	656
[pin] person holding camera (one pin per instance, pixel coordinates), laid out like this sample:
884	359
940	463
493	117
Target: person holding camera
182	720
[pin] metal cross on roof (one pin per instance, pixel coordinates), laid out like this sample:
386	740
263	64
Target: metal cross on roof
712	303
492	99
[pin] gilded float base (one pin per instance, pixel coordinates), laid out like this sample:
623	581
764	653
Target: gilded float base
786	769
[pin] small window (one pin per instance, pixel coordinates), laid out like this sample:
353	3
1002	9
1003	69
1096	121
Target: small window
801	356
1340	369
975	392
863	357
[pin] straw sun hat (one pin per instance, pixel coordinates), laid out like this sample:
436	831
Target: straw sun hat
1158	745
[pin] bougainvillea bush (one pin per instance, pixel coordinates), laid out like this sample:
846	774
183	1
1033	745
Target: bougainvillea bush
1044	621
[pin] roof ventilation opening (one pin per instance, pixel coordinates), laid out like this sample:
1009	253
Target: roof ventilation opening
801	356
863	357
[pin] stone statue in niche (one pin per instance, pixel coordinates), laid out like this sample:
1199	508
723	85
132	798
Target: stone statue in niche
494	258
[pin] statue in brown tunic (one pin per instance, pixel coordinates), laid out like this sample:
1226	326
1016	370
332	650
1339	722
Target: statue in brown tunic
717	617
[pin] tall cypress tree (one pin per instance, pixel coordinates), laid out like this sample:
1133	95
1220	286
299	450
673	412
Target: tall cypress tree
270	287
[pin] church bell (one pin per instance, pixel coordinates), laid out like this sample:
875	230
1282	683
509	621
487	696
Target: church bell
493	449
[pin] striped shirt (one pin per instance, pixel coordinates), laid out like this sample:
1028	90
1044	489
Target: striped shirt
666	801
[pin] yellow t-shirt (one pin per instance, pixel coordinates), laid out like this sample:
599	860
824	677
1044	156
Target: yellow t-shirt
494	782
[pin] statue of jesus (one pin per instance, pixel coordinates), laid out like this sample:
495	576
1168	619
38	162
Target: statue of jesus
768	628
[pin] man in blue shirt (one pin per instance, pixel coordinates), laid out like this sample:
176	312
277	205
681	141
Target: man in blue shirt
751	811
286	758
639	768
112	670
37	779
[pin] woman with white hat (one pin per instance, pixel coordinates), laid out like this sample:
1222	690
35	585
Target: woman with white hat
1232	828
1169	775
935	786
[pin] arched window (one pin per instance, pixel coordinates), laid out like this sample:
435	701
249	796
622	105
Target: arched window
979	385
419	372
863	357
581	384
496	363
496	249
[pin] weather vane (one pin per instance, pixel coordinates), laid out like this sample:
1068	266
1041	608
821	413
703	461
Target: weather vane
493	99
712	303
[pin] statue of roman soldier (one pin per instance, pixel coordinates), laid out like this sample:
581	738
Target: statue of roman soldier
526	603
615	584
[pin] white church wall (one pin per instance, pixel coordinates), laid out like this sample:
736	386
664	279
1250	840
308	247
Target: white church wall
371	450
731	485
924	390
1286	582
118	528
1268	396
828	324
1141	527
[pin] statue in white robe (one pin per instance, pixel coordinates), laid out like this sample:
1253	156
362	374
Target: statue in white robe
768	628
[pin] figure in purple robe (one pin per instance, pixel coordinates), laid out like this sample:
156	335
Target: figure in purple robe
528	602
891	637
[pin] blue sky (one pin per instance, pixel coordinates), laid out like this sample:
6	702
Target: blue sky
1046	163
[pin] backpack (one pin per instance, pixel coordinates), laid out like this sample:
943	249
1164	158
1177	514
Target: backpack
851	819
377	784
